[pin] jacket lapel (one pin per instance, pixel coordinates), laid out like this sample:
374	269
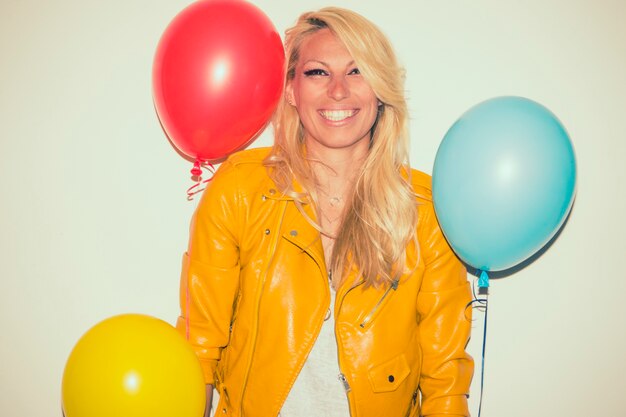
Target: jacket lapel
301	233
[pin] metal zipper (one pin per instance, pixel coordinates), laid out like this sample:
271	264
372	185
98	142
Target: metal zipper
412	403
345	383
393	286
341	376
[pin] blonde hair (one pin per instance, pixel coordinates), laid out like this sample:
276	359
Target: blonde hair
381	217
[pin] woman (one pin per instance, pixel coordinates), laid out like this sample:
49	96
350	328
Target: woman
317	281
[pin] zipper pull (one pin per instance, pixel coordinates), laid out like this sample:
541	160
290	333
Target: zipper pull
345	383
393	286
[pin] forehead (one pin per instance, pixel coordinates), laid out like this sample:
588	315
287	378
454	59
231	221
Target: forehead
324	46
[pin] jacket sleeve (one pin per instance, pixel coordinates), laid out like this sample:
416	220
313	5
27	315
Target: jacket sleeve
444	322
210	273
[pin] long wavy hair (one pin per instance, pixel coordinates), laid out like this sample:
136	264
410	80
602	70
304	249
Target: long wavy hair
380	218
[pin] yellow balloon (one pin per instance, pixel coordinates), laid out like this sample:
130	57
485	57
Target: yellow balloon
133	365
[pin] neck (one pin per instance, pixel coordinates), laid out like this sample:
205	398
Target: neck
335	167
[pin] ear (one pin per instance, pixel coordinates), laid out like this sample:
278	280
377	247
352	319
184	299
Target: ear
289	95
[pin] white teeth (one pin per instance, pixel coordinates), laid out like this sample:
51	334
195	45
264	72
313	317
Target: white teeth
337	115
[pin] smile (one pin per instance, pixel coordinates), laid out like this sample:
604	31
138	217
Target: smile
337	115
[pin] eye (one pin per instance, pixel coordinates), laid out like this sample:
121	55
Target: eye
315	72
354	71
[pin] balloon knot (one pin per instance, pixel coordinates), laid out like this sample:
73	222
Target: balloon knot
196	171
196	175
483	280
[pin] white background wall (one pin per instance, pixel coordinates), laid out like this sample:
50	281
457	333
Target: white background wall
93	215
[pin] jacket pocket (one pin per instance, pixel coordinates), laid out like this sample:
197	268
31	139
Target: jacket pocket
389	375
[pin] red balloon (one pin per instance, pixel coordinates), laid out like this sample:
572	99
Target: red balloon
217	76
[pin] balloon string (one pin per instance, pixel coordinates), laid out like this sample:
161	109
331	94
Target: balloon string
482	364
481	304
187	302
196	173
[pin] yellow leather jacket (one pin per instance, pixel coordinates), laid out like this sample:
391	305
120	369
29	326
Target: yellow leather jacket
254	293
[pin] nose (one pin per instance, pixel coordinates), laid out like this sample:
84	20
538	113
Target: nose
338	88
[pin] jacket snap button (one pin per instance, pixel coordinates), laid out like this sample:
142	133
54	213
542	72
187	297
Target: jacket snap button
294	233
272	191
267	231
263	197
391	378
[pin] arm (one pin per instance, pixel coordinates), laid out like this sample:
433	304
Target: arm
209	400
210	272
444	325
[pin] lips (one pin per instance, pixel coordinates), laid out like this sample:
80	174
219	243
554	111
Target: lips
337	115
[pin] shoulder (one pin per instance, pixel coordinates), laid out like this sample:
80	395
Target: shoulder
422	186
254	156
243	173
247	165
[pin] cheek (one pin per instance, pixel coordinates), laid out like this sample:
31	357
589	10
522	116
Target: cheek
372	107
367	97
305	96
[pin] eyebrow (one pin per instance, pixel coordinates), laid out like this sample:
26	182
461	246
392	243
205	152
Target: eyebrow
324	63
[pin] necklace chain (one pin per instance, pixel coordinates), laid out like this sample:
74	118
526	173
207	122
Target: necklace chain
331	221
333	200
335	204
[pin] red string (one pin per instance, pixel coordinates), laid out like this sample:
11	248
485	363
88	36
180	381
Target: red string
187	297
196	175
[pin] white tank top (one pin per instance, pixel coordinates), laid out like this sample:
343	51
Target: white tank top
318	391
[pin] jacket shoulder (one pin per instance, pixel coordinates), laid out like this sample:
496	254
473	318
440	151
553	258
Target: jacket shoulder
243	170
422	185
253	156
235	183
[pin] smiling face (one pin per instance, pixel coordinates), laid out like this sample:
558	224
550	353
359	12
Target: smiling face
337	107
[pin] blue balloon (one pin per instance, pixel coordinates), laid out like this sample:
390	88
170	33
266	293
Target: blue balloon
504	181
